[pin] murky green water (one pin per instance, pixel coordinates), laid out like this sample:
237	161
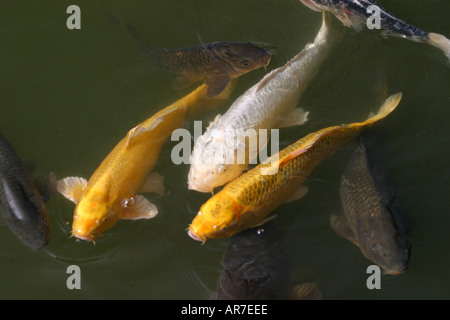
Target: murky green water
68	96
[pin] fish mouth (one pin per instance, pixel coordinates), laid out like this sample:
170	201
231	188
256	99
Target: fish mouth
86	237
266	60
193	185
195	237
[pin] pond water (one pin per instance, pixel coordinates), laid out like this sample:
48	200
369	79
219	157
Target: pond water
69	96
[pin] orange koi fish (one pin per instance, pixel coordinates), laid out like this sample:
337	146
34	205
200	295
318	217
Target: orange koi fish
247	201
111	192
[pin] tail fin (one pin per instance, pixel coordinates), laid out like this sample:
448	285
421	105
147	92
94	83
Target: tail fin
441	42
132	30
209	103
388	106
332	26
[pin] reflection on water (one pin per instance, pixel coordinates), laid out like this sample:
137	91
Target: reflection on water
70	96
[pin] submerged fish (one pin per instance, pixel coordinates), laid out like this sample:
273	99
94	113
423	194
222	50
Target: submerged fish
269	104
247	201
371	218
111	192
22	201
355	13
217	62
256	267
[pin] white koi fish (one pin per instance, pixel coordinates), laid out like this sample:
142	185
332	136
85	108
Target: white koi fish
269	104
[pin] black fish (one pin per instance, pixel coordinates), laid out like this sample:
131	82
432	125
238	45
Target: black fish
22	206
217	62
356	13
256	267
371	211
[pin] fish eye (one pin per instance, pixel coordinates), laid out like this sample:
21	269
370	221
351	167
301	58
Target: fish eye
225	228
375	246
245	63
221	169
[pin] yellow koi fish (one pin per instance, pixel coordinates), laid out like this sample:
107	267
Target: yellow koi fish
247	201
111	192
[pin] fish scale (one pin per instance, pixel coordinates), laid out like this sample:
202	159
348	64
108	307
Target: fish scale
371	214
357	176
190	59
260	188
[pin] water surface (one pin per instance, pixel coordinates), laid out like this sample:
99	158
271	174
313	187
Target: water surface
69	96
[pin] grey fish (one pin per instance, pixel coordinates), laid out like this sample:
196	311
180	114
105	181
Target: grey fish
371	211
216	62
356	13
256	267
22	206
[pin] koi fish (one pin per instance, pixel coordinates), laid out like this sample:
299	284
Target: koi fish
269	104
111	192
371	215
355	13
256	267
247	201
22	201
217	62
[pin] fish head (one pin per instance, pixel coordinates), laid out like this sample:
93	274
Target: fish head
204	178
217	218
93	215
212	165
242	56
382	242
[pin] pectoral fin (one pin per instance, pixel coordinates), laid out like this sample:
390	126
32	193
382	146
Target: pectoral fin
46	185
298	194
141	128
71	188
264	221
141	209
216	85
340	225
306	291
154	183
296	117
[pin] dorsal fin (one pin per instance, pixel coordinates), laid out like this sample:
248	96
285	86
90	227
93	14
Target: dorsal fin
140	128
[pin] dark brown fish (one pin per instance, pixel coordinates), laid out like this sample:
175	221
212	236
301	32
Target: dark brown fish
22	206
371	212
215	62
256	267
357	13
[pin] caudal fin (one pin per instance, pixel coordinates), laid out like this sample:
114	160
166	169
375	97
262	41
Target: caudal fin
441	42
132	31
388	106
